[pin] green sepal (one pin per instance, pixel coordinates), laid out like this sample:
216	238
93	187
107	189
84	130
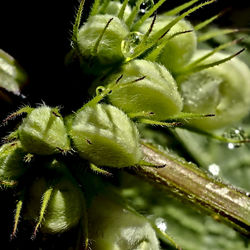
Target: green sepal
122	10
54	201
154	39
98	170
208	21
20	111
223	90
146	87
138	24
104	38
133	14
12	166
76	25
44	203
17	216
180	8
116	226
95	7
199	64
43	132
214	33
105	136
176	47
159	123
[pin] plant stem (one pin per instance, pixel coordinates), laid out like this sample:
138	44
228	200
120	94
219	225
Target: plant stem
184	180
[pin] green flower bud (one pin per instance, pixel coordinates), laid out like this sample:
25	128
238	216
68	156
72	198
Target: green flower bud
114	7
112	226
11	162
43	132
62	209
179	50
12	76
99	54
157	93
104	135
223	90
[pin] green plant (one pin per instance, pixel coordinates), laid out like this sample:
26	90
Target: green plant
43	132
155	95
132	91
105	136
121	229
179	50
60	196
13	77
216	90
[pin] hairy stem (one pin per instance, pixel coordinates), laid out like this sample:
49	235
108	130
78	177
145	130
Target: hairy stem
223	202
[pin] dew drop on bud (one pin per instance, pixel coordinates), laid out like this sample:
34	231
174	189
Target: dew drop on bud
99	90
161	224
145	6
130	42
214	169
232	145
237	134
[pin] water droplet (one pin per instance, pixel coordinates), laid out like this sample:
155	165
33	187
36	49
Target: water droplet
161	224
231	145
130	42
146	5
23	96
99	90
214	169
236	134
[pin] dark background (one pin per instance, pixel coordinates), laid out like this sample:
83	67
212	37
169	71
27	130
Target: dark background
38	35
